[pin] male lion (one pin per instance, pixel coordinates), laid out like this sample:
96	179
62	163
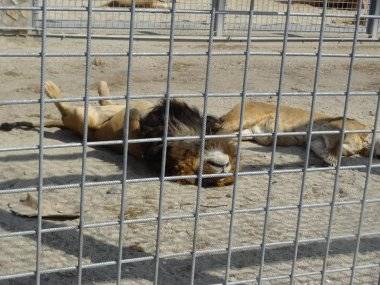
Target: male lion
259	118
106	122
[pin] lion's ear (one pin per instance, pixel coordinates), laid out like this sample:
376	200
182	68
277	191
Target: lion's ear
213	125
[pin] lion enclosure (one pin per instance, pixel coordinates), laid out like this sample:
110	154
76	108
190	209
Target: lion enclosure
74	211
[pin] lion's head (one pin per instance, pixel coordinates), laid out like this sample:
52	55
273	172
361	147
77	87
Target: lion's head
219	158
183	156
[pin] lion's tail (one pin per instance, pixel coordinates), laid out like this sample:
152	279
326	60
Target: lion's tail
53	92
23	125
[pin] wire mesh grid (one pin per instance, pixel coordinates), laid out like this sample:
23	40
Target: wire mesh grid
299	23
299	242
155	22
233	15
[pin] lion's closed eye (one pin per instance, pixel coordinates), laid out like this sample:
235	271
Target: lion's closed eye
218	164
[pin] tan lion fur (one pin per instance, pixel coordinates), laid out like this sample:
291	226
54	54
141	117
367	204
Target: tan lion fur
105	122
259	118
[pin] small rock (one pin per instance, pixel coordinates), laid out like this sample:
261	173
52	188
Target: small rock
12	73
342	193
136	247
36	88
114	190
98	62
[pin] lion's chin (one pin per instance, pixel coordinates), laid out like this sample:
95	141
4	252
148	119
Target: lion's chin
209	182
217	182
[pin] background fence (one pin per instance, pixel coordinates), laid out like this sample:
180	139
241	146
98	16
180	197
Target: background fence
278	224
231	17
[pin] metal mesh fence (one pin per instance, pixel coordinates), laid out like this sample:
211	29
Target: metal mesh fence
192	17
301	22
122	261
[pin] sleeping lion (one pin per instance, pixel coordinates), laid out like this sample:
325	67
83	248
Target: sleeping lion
106	122
259	118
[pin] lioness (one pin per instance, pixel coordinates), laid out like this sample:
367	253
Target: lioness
259	118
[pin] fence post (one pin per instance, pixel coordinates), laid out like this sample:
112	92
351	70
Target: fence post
373	24
34	15
219	5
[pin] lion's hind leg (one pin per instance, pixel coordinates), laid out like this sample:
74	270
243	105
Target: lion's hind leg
72	116
104	91
320	148
53	92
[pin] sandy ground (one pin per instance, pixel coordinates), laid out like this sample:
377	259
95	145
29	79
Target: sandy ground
19	79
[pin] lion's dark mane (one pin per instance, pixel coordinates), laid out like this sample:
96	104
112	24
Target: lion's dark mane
183	121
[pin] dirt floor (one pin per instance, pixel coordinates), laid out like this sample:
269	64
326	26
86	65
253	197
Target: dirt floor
19	80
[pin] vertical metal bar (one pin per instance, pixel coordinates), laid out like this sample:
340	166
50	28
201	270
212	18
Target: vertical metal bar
309	136
336	181
240	136
276	123
165	142
41	144
85	137
34	15
203	142
219	5
364	198
373	25
125	142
